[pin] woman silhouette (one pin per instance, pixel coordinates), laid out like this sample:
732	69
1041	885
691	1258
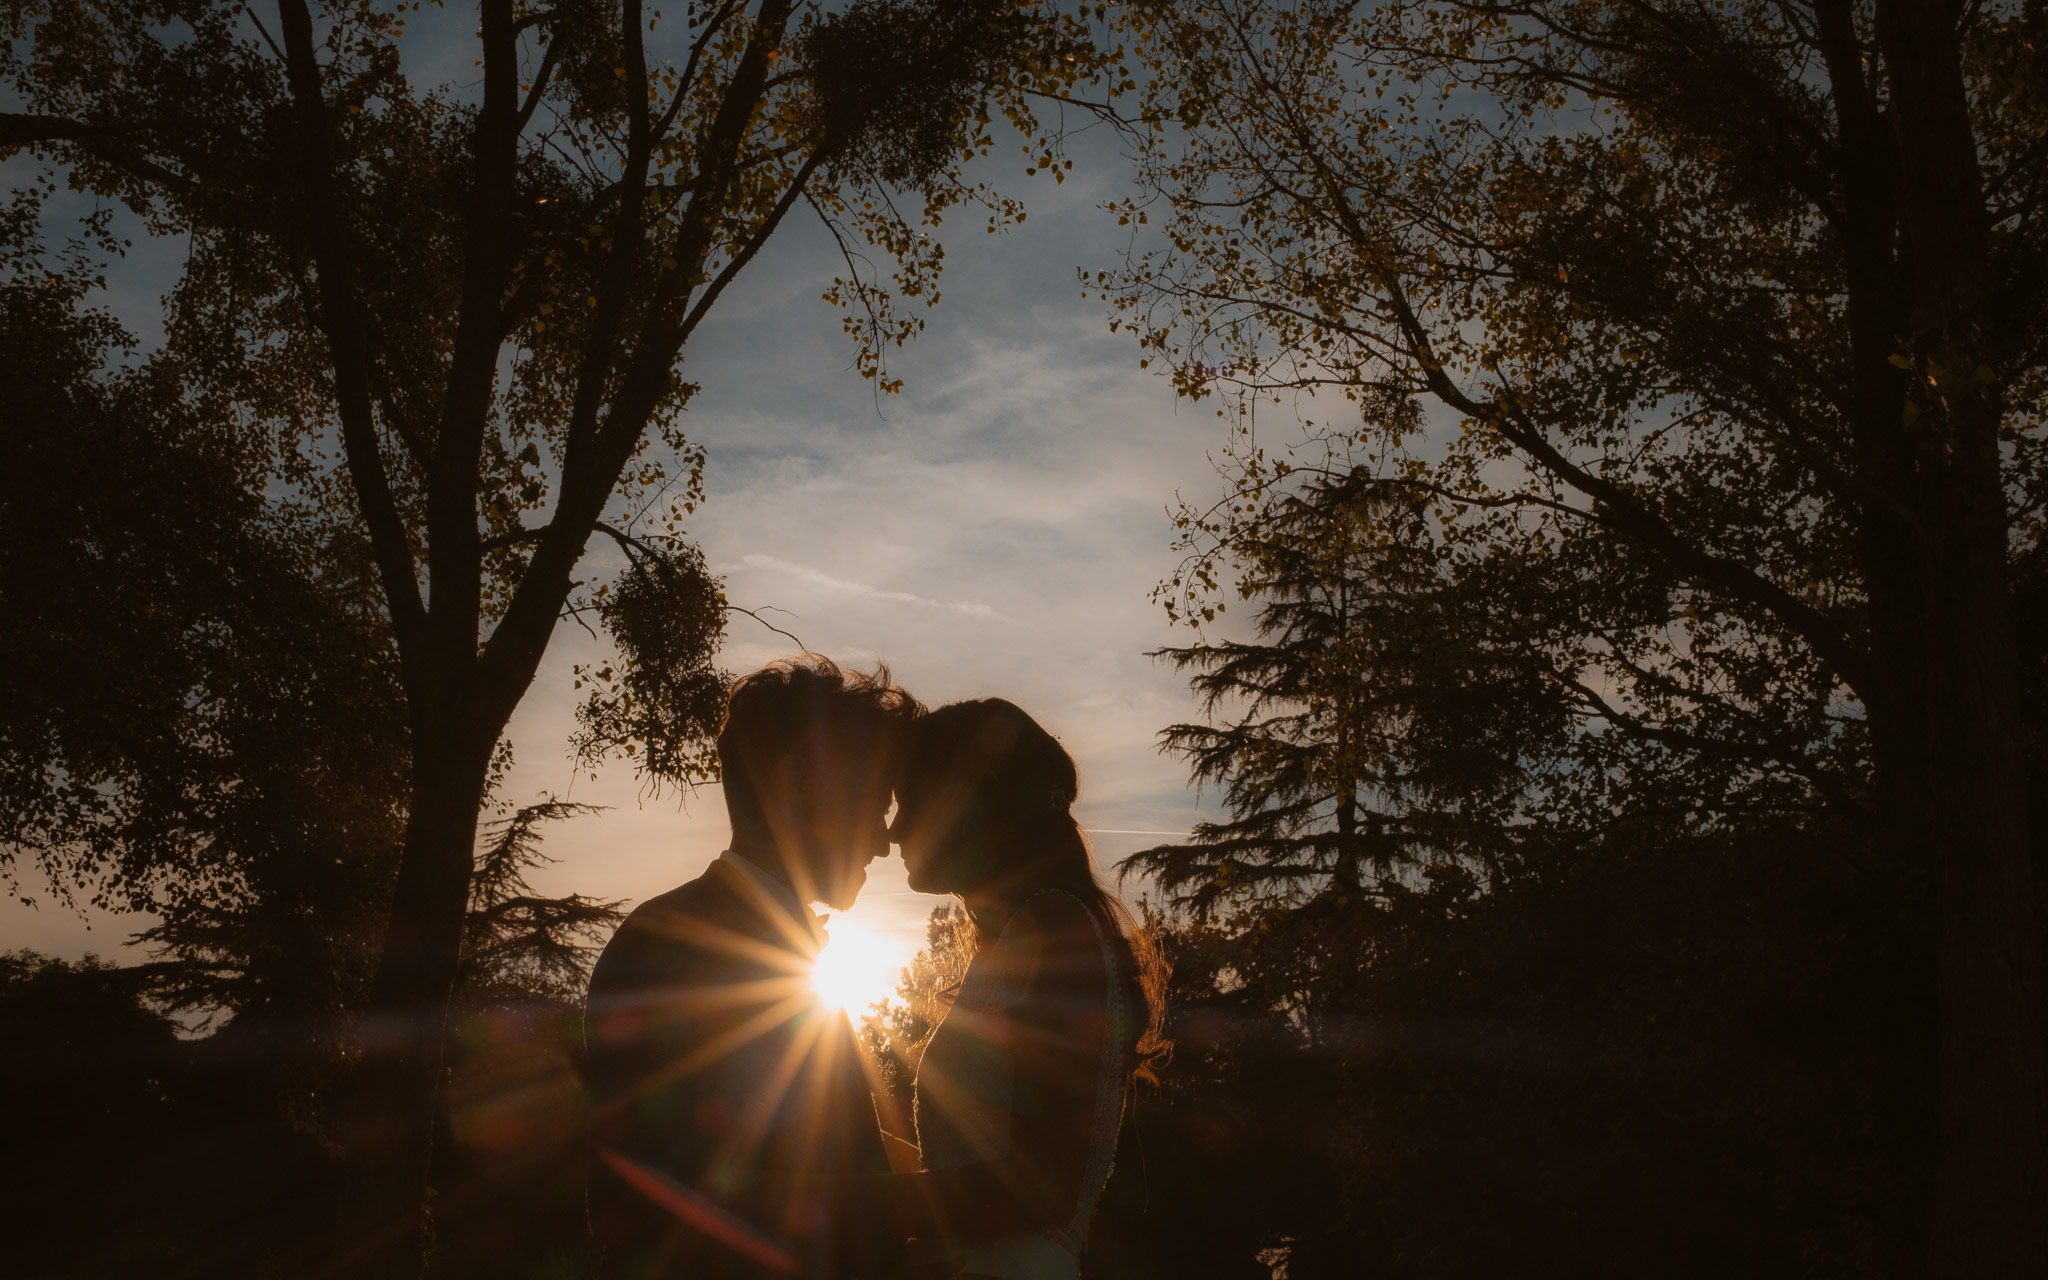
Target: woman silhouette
1021	1089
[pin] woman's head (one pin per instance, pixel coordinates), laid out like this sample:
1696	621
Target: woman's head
984	809
984	804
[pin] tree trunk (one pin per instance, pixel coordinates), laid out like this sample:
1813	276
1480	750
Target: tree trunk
390	1121
1988	1208
1988	1196
1987	1199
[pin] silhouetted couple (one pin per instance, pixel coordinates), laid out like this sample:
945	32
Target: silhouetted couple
738	1131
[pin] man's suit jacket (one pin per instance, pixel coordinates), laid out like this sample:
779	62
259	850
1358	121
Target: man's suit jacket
732	1111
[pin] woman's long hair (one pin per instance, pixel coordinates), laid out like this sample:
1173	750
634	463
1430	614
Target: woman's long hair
1001	790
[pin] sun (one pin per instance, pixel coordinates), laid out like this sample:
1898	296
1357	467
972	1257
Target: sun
855	969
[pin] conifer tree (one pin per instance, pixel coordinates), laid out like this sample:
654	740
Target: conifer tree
1372	727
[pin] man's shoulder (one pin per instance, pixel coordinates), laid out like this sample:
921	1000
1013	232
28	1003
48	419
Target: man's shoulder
666	928
709	893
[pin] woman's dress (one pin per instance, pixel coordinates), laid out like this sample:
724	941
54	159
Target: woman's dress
975	1093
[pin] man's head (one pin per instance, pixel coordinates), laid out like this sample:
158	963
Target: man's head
808	752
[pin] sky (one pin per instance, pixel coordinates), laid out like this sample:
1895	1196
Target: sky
995	529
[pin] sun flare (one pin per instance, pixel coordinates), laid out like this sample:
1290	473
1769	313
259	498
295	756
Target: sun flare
855	969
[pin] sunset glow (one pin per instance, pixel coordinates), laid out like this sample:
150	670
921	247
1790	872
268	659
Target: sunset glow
855	969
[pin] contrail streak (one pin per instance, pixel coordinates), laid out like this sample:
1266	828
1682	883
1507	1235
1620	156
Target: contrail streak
972	609
1121	831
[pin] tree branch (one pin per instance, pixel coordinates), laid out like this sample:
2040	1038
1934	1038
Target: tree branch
794	638
752	247
548	59
712	26
339	313
1781	753
454	550
18	130
594	458
1618	508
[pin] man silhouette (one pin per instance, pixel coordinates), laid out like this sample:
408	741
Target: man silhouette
733	1112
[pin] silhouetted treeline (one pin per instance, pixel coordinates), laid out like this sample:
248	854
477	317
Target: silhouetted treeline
127	1149
134	1144
1657	1061
1466	987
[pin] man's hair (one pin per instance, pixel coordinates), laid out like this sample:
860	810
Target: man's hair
771	712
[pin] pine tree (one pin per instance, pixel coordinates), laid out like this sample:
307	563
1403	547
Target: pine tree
522	946
1370	729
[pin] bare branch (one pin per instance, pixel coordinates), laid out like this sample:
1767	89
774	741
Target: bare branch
794	638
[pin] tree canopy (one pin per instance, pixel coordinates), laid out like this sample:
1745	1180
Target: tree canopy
1707	341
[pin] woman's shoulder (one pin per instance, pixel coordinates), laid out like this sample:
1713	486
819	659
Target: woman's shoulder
1053	914
1053	932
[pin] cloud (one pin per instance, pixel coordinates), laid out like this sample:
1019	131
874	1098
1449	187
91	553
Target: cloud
968	607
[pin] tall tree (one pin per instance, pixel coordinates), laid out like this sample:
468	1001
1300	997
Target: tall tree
205	721
483	296
1748	290
202	711
1531	870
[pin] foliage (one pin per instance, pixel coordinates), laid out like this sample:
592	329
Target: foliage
1703	1058
454	316
1706	342
70	1016
513	1102
894	1032
1269	295
666	616
203	713
522	947
81	1040
1494	990
1385	717
908	81
138	1144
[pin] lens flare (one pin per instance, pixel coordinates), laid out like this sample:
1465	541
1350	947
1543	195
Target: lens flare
855	969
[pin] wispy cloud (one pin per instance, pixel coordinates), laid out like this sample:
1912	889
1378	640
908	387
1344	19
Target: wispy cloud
968	607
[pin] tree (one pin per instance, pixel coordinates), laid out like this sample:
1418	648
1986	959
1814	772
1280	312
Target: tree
666	615
202	709
103	1069
894	1032
484	297
1742	299
508	1171
522	947
1366	731
1558	969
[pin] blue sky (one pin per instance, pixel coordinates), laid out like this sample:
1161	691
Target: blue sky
994	529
